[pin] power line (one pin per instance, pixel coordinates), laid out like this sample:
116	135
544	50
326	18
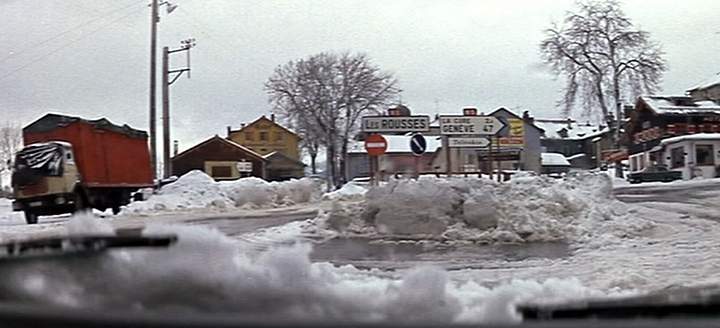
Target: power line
65	46
56	36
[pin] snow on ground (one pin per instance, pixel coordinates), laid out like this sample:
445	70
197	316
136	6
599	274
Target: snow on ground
217	276
197	190
580	209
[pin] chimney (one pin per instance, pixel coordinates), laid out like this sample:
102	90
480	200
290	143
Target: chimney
569	123
176	145
242	125
470	111
229	129
272	117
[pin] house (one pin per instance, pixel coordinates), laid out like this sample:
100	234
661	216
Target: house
221	159
695	155
265	136
398	158
584	143
707	90
554	163
281	167
278	144
659	118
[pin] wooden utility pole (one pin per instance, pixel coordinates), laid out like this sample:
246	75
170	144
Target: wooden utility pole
166	82
153	44
167	170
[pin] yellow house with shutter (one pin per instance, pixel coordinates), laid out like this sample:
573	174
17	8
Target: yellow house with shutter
279	145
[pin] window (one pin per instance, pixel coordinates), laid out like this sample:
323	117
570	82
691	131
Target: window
263	136
221	172
677	157
249	136
704	155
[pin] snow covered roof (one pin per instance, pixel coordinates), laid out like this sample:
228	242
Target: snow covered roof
553	159
576	156
708	83
398	144
689	137
52	121
680	105
555	128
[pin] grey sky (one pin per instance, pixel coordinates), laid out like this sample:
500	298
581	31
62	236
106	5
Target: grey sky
446	54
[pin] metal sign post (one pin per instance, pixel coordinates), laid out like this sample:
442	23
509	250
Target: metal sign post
418	146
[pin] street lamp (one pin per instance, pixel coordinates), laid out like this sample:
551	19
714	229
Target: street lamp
154	19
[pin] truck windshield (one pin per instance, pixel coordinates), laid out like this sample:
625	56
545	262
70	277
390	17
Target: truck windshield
43	159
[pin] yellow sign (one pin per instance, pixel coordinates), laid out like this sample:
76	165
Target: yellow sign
517	127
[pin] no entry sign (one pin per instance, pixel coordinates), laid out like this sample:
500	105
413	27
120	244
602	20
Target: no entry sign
375	145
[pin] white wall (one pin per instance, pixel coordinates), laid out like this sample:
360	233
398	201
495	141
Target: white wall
706	171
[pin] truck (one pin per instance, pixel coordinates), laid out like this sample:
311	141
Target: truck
71	164
654	173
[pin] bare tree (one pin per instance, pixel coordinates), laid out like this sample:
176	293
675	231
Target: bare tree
10	142
603	58
325	95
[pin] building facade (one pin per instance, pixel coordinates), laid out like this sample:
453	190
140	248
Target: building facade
265	136
221	159
676	131
276	143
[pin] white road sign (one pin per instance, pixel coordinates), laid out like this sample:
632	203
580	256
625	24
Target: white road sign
470	125
395	124
244	167
468	142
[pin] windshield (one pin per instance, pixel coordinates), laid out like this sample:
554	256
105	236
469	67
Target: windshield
43	159
400	162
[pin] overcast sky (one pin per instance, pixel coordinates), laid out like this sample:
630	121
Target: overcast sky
90	58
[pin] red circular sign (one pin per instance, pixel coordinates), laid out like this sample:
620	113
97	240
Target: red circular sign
375	145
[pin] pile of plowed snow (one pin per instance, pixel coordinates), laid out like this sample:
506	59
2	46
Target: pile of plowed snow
580	208
198	190
206	272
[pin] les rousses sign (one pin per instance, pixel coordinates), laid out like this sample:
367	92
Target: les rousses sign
418	123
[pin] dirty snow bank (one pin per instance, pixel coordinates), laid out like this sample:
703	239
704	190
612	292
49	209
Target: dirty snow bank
218	276
580	208
198	190
349	191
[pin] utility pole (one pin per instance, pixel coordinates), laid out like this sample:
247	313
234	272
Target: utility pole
166	82
154	18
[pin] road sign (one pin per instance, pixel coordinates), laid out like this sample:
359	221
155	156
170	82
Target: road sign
418	145
396	123
468	142
375	145
470	125
244	167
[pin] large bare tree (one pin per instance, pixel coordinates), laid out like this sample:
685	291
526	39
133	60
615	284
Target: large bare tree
324	96
604	59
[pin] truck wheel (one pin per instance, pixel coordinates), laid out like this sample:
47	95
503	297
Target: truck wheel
31	218
79	203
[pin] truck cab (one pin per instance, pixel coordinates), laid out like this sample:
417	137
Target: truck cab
46	180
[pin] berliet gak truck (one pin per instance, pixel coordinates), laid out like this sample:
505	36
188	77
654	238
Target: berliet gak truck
70	164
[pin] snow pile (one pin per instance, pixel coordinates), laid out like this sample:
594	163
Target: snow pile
198	190
218	276
350	191
7	216
580	208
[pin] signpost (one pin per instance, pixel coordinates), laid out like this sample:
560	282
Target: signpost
375	124
470	142
470	125
418	145
375	145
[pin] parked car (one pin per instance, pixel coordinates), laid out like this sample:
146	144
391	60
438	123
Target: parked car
654	173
